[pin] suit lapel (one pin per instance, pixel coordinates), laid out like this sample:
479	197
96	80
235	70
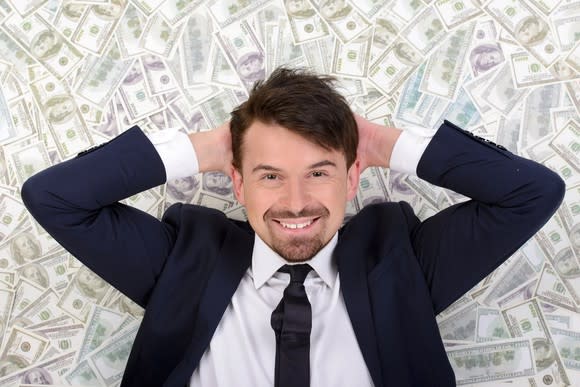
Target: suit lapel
353	282
232	262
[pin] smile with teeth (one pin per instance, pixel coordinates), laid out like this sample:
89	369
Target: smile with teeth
295	226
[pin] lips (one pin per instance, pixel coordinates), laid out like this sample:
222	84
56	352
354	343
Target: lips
296	225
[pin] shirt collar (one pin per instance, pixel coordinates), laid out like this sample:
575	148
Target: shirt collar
266	262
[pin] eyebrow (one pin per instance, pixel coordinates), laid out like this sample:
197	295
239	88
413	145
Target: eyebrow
269	168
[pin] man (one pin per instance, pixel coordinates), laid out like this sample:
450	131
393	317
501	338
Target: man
294	151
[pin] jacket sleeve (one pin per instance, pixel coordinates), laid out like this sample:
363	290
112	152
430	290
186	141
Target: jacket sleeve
77	203
511	199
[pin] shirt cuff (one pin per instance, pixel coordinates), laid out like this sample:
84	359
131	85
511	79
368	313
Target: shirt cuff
176	151
408	150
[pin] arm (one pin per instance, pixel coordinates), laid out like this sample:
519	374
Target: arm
77	203
511	199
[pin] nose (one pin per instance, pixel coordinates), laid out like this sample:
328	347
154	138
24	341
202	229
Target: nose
296	196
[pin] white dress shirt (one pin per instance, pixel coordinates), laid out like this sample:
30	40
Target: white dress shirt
243	347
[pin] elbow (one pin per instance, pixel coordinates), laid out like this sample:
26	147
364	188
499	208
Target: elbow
552	190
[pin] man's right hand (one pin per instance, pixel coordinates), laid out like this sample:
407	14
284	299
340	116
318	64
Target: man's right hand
214	149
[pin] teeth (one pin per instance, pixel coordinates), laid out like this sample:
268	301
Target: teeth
296	225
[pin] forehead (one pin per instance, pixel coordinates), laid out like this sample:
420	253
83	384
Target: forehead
281	147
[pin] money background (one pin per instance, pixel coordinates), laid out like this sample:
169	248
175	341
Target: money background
75	74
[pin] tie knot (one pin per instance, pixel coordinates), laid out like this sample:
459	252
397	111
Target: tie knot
297	272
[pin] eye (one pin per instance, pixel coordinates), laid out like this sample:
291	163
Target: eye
318	174
270	176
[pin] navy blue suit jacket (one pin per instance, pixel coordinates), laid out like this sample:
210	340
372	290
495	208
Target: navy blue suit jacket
397	273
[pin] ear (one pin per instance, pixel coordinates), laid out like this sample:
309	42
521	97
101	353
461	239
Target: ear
238	185
353	177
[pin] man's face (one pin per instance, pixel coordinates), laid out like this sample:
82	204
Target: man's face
25	246
489	58
43	45
250	66
294	191
529	31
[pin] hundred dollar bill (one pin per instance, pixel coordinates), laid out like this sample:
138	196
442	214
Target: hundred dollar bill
485	52
570	215
567	144
554	241
133	93
43	43
518	271
370	8
63	337
109	360
552	290
445	67
385	31
194	49
460	326
491	362
345	21
394	66
25	292
500	92
65	122
525	25
158	77
26	7
83	375
404	9
213	201
462	112
12	213
352	59
104	74
217	110
175	11
372	188
568	344
148	7
546	6
489	325
42	309
102	323
573	58
129	30
528	71
285	51
305	23
160	38
30	160
454	13
52	270
536	114
566	30
426	31
44	372
22	347
527	320
6	302
67	18
84	290
226	12
559	165
96	27
243	51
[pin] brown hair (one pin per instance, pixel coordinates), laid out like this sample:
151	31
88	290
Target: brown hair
302	102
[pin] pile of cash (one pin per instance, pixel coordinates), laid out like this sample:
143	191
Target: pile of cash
76	73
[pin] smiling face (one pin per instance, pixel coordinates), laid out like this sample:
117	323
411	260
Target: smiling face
294	191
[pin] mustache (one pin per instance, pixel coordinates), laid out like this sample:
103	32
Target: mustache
306	212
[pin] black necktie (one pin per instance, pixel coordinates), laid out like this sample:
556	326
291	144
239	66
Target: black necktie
292	322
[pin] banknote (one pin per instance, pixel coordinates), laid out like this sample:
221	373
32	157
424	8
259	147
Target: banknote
96	26
568	344
129	30
526	26
426	32
342	18
489	325
43	43
455	13
573	58
305	23
445	68
528	71
491	362
551	289
567	144
527	320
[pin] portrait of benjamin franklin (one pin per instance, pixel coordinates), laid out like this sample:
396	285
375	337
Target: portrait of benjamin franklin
544	353
24	248
73	11
485	56
334	10
110	11
300	9
35	273
37	376
384	33
90	284
250	67
531	30
565	264
183	189
217	182
45	45
60	108
407	54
